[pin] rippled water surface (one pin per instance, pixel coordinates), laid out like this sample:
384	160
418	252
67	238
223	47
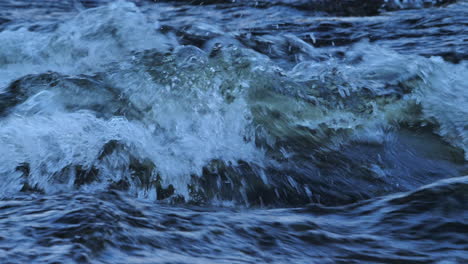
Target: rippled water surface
283	131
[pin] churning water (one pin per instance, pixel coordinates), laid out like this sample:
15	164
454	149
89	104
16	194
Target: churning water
315	131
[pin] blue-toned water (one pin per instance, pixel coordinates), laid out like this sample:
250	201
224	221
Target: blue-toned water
233	131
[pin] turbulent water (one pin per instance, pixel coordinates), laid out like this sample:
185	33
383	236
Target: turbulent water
317	131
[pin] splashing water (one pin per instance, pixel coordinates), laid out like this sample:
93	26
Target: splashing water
129	128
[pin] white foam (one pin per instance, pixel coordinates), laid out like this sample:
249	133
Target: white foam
85	44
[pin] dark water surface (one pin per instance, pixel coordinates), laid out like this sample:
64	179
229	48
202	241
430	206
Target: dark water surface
317	131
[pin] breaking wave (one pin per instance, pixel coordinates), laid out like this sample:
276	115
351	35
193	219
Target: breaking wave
111	102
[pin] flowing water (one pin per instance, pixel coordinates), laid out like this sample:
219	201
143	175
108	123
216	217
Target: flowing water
283	131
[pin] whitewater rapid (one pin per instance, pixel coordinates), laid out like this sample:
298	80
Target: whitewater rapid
110	77
233	131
